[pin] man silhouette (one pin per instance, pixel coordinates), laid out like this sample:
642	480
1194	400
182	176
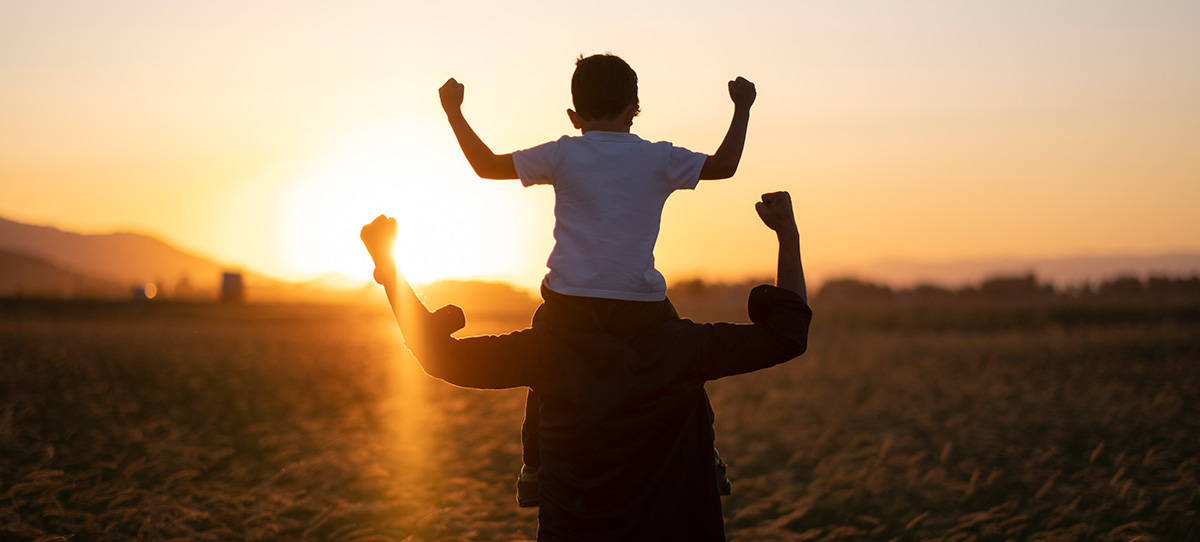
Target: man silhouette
627	448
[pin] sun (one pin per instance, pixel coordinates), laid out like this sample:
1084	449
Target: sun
452	224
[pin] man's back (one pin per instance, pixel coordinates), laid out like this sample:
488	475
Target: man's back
626	438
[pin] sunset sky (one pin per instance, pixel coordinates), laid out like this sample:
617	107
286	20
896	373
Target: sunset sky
267	133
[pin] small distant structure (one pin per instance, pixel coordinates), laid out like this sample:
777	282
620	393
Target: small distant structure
145	292
233	287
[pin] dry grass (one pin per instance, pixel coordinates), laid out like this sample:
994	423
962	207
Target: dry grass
193	422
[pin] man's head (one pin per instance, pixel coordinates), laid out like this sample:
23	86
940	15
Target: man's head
604	88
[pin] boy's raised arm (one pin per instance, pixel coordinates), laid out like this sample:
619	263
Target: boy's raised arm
486	163
724	163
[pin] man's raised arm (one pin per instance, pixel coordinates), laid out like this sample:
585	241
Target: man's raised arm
415	321
486	163
475	362
775	209
781	315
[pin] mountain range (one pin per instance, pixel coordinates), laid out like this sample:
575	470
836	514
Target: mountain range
118	259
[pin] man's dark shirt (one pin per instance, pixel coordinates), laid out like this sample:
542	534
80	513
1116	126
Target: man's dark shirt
627	449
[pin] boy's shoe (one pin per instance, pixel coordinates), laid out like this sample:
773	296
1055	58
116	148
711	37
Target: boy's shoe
724	485
527	488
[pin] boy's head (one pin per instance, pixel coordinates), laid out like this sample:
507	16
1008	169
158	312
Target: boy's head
603	87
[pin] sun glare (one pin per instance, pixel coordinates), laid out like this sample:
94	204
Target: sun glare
451	223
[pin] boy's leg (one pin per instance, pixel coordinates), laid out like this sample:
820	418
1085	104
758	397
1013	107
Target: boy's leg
530	452
527	485
723	483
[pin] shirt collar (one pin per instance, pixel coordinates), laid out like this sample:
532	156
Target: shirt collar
600	135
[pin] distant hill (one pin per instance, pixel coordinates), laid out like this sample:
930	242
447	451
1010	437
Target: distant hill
22	275
56	263
122	258
479	297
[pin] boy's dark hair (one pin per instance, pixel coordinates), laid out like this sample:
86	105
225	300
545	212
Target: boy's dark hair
603	86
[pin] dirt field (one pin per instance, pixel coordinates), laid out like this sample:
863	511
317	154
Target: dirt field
153	421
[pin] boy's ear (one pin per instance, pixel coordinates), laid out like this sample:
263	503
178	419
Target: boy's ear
576	120
627	115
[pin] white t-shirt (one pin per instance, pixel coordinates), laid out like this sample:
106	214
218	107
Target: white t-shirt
609	191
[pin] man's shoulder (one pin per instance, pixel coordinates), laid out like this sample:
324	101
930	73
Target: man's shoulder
672	335
676	337
766	300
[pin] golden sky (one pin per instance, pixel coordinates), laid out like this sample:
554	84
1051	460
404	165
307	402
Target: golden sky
267	133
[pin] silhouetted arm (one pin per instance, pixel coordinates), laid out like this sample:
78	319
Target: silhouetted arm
486	163
781	315
775	209
415	321
486	362
724	163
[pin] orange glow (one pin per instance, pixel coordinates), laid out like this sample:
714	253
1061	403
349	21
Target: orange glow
450	225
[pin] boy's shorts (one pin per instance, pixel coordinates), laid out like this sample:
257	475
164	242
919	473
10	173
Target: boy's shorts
613	316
